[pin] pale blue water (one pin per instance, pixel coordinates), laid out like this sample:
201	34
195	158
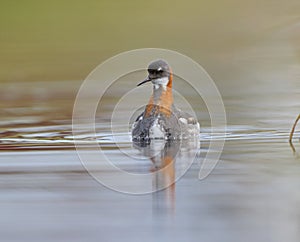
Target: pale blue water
47	195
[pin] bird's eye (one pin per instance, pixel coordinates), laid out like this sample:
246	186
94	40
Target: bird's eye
155	72
151	71
159	71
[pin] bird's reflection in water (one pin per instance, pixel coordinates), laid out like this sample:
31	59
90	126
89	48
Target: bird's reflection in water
170	159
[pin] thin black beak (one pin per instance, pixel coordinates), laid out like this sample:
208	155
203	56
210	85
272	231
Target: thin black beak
146	80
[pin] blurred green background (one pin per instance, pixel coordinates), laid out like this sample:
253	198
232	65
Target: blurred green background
66	39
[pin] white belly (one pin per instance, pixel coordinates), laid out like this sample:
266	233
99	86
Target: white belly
156	131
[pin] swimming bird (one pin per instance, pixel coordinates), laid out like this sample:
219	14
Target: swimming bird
161	119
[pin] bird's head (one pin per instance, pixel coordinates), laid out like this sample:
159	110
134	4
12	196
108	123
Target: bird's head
159	73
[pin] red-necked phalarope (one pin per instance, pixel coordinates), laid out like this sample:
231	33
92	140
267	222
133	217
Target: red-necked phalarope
161	119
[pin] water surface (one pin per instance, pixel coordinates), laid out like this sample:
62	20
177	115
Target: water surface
46	193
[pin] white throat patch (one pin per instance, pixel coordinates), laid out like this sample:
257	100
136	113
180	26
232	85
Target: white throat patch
161	81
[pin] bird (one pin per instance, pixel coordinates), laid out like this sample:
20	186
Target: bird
161	119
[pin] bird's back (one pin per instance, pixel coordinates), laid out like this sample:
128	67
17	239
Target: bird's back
171	125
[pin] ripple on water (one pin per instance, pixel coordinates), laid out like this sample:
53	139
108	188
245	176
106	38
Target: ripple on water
59	136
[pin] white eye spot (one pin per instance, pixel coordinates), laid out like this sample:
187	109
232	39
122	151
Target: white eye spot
159	69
